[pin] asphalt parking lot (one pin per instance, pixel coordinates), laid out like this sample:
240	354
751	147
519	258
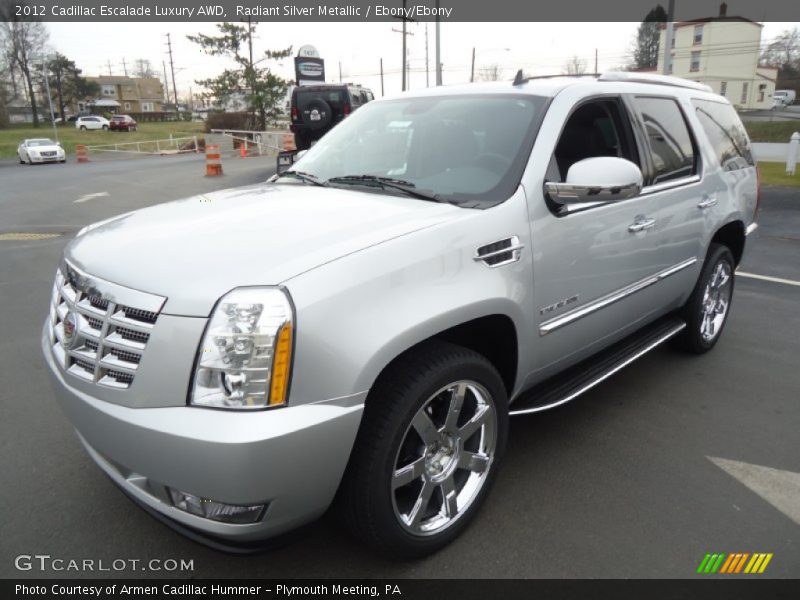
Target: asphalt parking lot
670	459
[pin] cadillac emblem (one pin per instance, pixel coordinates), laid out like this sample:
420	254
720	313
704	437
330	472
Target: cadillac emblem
70	329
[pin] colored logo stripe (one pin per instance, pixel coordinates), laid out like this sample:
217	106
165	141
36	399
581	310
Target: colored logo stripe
734	563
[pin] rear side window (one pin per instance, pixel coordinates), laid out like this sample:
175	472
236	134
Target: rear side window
669	141
726	134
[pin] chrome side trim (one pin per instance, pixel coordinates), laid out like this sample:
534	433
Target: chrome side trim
590	307
113	292
668	185
751	228
602	377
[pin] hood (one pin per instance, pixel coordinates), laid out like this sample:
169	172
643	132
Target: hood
49	148
193	251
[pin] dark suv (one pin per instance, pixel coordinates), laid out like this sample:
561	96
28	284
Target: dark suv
317	108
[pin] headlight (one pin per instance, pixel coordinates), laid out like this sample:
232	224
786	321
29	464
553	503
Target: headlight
245	356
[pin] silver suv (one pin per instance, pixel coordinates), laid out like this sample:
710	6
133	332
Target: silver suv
356	331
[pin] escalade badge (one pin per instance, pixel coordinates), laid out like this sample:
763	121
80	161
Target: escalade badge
70	329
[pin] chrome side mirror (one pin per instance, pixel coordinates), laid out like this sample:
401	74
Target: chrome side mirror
598	179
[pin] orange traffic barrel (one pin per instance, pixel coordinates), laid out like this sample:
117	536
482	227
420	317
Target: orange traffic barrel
243	149
80	150
213	160
288	142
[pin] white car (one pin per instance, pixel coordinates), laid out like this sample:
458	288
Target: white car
92	122
40	150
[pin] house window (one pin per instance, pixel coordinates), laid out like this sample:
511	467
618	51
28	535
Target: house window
147	107
745	87
127	106
762	90
695	64
698	35
723	88
672	42
670	68
108	90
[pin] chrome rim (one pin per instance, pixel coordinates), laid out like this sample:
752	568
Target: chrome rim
445	457
716	300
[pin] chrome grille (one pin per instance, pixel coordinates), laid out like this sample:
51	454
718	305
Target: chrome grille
109	337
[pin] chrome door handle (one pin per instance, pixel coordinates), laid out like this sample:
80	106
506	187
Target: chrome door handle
641	224
707	201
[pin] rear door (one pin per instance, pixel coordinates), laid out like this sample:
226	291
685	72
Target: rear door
683	202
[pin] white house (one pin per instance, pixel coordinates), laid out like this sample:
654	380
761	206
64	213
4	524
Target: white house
722	52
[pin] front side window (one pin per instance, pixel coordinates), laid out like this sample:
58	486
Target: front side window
597	128
669	141
465	149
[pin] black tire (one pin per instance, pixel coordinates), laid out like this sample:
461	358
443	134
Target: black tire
83	128
366	498
323	111
105	127
692	338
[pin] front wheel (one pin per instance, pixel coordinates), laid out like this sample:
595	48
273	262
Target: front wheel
706	311
105	127
429	446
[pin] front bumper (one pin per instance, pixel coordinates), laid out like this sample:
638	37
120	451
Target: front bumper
290	459
44	159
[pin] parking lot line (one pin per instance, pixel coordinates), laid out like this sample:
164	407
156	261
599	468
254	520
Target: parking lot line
768	278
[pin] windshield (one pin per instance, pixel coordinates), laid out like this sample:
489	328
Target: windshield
41	143
465	149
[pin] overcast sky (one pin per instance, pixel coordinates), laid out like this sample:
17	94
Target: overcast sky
538	48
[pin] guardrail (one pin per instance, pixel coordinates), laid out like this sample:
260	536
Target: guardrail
171	145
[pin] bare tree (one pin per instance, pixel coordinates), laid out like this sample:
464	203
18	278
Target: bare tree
784	50
22	43
143	68
575	66
491	73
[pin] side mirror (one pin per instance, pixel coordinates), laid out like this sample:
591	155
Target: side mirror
598	179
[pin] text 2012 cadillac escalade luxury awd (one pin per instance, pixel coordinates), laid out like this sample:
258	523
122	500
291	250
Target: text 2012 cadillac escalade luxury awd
358	330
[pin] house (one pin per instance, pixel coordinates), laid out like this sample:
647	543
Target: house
722	52
123	94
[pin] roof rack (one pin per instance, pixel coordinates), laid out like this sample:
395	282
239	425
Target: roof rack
630	77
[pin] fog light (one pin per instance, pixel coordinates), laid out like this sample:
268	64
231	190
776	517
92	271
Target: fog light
216	511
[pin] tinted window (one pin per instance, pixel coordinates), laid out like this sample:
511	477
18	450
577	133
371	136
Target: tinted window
726	134
671	148
594	129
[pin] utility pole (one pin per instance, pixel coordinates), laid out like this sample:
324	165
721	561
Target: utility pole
172	68
382	78
340	71
472	71
109	66
427	72
668	38
166	81
124	66
404	33
595	61
438	48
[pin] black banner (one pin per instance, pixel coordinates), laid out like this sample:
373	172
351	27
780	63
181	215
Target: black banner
308	70
421	589
387	10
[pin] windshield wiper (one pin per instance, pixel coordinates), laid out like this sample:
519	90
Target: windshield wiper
401	185
303	176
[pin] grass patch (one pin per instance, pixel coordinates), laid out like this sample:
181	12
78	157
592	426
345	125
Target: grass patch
70	136
773	173
771	131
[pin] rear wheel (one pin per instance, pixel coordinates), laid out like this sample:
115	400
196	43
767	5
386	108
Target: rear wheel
300	142
429	446
83	127
105	127
706	311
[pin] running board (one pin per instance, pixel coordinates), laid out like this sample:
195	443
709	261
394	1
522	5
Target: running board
576	380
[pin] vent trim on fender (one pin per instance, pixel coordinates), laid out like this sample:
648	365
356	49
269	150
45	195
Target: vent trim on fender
501	252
